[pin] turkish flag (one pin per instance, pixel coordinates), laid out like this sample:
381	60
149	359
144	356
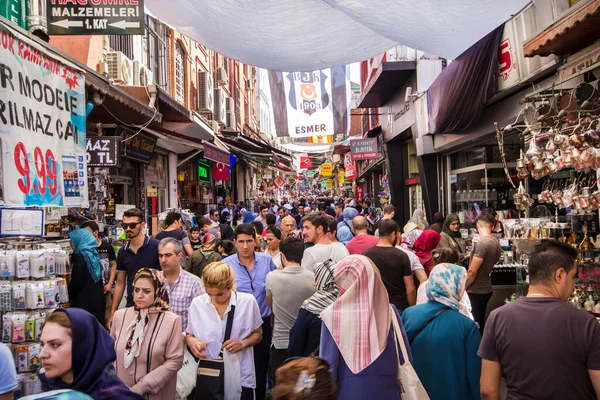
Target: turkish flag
306	163
220	171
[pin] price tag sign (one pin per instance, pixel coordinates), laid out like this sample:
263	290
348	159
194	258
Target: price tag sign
21	222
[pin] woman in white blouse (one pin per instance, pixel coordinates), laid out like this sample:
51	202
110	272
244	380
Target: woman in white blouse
208	317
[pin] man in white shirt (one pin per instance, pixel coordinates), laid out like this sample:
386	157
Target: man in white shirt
287	289
229	209
262	216
314	230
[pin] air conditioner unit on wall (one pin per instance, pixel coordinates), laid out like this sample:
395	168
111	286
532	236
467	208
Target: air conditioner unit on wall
229	105
215	126
230	120
205	92
120	68
222	77
142	76
220	104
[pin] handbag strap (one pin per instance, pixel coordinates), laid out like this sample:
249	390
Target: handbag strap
398	338
345	223
229	324
440	312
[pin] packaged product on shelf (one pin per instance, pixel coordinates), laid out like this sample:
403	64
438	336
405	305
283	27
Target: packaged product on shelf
30	328
33	354
22	264
49	297
18	291
60	262
5	296
7	327
18	327
40	318
22	358
50	262
7	263
31	384
37	263
63	291
35	295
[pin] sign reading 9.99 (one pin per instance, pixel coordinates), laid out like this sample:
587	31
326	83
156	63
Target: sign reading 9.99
42	127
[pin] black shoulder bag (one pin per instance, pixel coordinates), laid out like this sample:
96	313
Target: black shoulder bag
210	381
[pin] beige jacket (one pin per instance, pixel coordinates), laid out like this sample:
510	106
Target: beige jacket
163	336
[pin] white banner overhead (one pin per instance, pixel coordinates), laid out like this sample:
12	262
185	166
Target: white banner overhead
42	127
292	35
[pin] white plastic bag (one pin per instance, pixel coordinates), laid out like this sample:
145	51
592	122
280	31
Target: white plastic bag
186	376
233	378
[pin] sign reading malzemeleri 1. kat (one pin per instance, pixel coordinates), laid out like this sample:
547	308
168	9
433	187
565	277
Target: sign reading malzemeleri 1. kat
95	17
42	126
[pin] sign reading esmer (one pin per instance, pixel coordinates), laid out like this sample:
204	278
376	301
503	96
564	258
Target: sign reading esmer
363	149
95	17
42	113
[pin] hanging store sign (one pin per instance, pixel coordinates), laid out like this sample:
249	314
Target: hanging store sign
279	182
363	149
326	169
95	17
359	192
306	163
329	183
351	172
204	170
220	171
103	151
14	11
42	113
136	145
310	174
215	154
341	177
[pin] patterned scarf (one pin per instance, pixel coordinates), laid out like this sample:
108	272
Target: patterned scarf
327	289
85	244
137	329
446	285
411	237
359	319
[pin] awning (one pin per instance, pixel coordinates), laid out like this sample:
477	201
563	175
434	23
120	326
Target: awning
258	151
173	141
390	77
576	29
197	129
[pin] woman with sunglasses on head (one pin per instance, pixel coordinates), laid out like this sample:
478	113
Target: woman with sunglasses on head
358	338
78	354
208	318
86	290
148	339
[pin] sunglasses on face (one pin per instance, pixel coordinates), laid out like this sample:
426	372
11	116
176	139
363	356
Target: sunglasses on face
130	225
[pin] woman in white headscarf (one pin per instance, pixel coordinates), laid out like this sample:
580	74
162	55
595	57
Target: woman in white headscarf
444	342
418	218
357	337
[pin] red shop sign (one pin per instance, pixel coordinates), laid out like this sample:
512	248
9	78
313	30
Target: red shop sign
216	154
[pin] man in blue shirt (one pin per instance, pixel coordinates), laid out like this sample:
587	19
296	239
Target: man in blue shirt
139	252
251	271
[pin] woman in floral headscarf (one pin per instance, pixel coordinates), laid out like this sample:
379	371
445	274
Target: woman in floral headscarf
148	339
444	342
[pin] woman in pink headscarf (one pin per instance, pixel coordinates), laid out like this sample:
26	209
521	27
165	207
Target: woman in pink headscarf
426	242
357	337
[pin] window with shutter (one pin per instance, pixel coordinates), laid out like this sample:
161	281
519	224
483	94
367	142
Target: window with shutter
179	73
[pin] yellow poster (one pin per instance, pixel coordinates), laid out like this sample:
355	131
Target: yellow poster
326	169
329	183
341	177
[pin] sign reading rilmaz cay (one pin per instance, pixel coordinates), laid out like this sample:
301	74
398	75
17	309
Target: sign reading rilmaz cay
215	154
363	149
103	151
95	17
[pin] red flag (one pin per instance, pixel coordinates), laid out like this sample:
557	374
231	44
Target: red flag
306	163
220	171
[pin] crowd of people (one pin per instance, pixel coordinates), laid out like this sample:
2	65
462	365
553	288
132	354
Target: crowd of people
314	299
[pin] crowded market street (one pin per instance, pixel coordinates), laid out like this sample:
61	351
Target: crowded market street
251	200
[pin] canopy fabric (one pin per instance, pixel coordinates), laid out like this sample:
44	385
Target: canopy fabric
292	35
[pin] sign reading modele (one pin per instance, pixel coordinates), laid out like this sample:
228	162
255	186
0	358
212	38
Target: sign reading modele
42	116
363	149
95	17
103	151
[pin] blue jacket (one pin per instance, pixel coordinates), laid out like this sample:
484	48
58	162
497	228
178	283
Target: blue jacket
344	228
444	352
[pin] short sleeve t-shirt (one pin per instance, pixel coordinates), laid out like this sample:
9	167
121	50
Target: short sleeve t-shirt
545	346
393	265
130	262
107	254
360	243
8	373
322	252
288	287
489	249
